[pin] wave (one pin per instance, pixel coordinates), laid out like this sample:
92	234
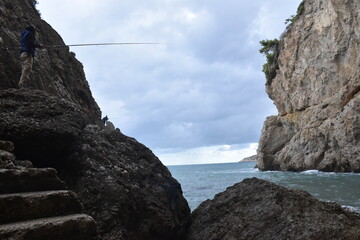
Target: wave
351	208
311	172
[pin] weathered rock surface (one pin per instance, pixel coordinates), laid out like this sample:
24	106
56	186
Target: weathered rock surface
42	126
257	209
316	90
125	187
29	180
120	181
71	227
122	184
55	71
34	204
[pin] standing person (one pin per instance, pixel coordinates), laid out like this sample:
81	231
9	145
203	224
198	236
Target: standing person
28	45
105	119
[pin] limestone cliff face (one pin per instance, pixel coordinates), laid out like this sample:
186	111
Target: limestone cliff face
55	71
316	91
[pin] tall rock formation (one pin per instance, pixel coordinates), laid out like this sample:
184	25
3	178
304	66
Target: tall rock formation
316	91
56	70
56	123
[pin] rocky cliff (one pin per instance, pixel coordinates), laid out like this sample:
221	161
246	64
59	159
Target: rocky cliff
56	123
316	91
56	71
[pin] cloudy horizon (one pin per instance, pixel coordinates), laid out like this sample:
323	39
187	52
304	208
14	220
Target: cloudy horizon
199	98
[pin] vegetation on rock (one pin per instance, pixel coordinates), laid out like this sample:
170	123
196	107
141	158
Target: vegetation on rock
271	50
299	12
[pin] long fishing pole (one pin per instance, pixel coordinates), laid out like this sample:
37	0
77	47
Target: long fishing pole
92	44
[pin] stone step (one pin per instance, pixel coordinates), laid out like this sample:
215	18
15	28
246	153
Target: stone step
29	180
32	205
72	227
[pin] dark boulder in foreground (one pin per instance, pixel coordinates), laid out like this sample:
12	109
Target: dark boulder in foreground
257	209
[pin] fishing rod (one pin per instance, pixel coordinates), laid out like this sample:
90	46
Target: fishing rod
92	44
103	44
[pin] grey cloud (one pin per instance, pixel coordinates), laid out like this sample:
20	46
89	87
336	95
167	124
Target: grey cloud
204	88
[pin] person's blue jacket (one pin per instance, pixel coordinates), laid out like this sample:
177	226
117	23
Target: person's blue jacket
28	42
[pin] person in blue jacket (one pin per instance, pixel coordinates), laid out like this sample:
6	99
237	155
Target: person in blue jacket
28	45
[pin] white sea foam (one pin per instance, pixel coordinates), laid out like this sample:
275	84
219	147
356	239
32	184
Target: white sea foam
351	209
310	172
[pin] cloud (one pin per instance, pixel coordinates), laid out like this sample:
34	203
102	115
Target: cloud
212	154
203	88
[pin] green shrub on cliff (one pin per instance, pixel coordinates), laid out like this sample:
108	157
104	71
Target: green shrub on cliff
271	50
299	12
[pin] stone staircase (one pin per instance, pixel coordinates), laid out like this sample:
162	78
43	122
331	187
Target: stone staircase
36	205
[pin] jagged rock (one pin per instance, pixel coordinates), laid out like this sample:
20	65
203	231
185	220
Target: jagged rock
41	126
257	209
56	70
316	90
125	187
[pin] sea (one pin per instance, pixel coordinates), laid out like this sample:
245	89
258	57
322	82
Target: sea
202	182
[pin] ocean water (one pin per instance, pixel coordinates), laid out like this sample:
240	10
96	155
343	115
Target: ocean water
202	182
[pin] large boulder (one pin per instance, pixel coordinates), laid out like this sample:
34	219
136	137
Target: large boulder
316	91
257	209
122	184
125	187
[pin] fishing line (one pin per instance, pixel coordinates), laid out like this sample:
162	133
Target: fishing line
92	44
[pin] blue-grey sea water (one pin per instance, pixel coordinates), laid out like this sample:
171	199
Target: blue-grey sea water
202	182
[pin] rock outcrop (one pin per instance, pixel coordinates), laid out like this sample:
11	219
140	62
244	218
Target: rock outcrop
125	187
56	70
43	127
121	183
257	209
55	122
316	91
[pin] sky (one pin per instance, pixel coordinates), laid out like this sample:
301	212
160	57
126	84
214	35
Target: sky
198	98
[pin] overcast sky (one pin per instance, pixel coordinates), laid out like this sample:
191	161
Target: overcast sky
199	98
